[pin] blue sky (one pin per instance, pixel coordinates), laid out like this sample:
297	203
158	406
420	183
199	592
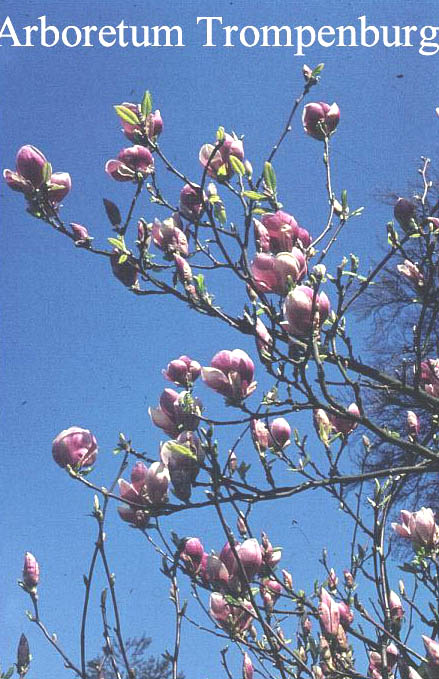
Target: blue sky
79	349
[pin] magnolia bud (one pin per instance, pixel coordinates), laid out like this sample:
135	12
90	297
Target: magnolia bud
80	233
241	525
413	424
247	667
23	656
248	169
288	580
31	571
332	580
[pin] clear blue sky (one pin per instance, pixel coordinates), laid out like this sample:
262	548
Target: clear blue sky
79	349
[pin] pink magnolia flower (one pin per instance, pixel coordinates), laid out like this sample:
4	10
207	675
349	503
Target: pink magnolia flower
276	435
376	661
191	202
131	163
230	374
320	119
76	447
271	274
29	175
176	411
413	424
247	667
125	272
214	571
80	233
270	591
322	424
149	486
169	237
346	615
343	425
59	186
288	580
430	376
182	371
298	310
219	166
235	619
184	270
263	338
31	571
411	272
152	126
395	605
192	554
420	527
431	649
281	233
280	432
270	555
250	557
329	613
404	211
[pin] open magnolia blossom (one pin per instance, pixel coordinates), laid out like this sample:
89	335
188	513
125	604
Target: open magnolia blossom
231	374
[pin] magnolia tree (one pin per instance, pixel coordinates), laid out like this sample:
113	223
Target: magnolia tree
299	313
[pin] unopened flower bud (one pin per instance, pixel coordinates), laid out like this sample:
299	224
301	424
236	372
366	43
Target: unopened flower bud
241	525
404	211
306	625
232	462
247	667
332	580
288	580
23	656
80	233
320	119
348	579
319	271
413	424
306	71
248	169
31	571
395	605
401	587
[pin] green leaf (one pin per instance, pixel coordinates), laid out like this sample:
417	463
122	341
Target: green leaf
237	165
146	105
254	195
318	69
220	133
259	211
178	448
122	259
9	673
127	115
344	199
270	177
222	171
47	172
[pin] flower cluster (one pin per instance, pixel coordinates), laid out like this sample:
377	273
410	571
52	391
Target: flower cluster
34	178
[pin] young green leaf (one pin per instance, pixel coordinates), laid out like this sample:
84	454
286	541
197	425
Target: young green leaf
237	165
127	115
146	105
270	177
